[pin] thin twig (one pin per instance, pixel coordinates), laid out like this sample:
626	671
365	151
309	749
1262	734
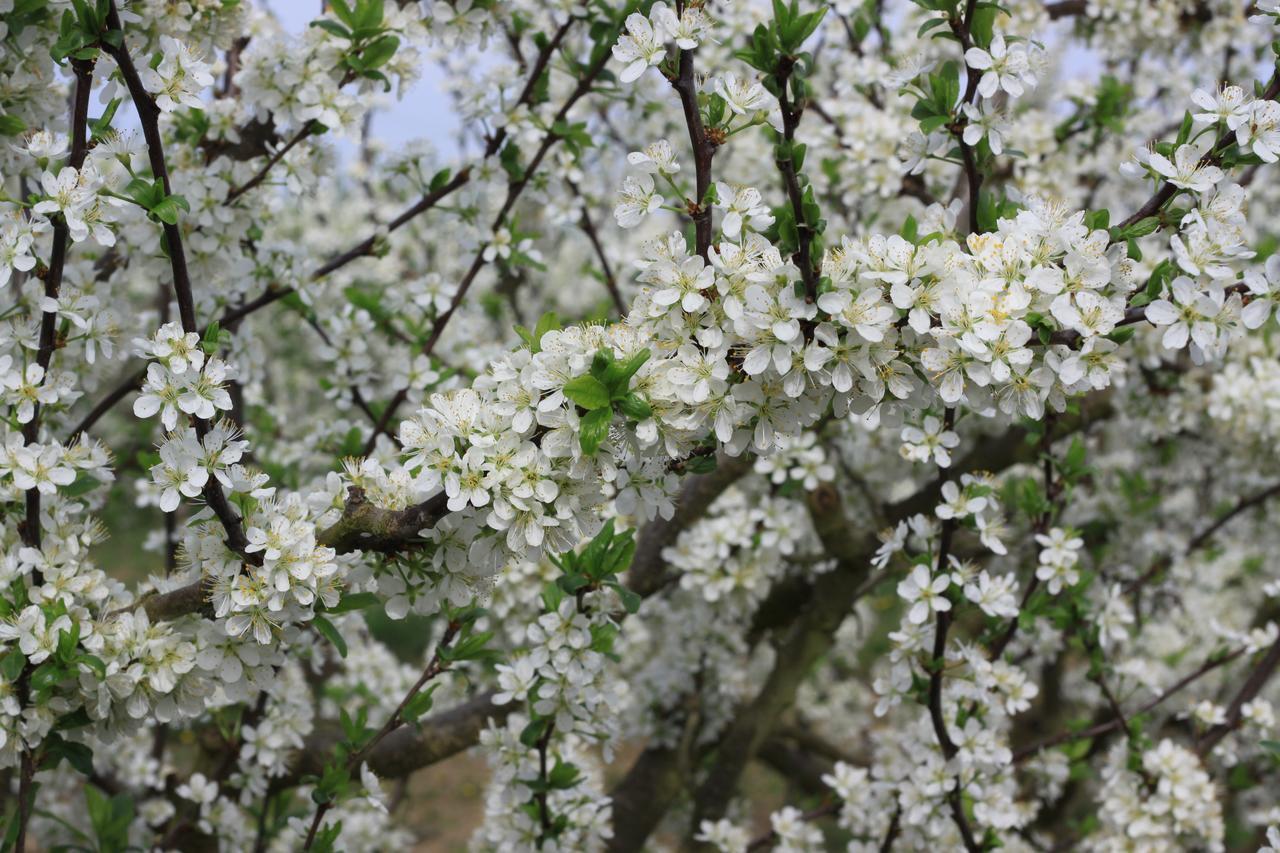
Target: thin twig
805	233
937	668
30	527
1251	688
589	228
1115	722
828	808
962	30
1211	157
686	86
149	117
262	173
514	190
436	666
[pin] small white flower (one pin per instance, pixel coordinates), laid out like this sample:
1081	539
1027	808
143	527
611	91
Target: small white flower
639	48
636	200
925	593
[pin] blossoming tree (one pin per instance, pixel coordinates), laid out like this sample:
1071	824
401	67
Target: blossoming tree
882	393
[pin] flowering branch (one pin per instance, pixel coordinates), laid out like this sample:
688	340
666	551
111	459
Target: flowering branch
148	116
83	71
440	661
1212	157
704	149
1258	678
787	80
514	188
963	29
1115	721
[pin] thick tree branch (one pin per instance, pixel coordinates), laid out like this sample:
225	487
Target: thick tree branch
834	596
650	789
646	575
641	798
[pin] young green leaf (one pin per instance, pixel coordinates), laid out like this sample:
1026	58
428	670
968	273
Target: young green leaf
594	429
588	392
330	633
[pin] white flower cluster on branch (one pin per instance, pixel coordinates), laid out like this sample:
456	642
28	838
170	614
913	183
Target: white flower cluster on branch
430	452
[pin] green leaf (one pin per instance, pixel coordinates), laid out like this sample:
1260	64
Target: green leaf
703	464
212	339
509	158
11	665
380	52
110	819
11	125
928	25
546	323
1123	334
1097	219
932	123
354	601
419	704
166	210
1073	461
532	733
634	407
987	214
344	13
946	87
552	595
1184	130
572	583
142	191
1141	228
332	27
630	600
67	641
600	364
369	13
593	555
76	719
563	775
1155	284
910	230
574	135
468	648
102	123
439	179
588	392
77	755
803	27
330	633
594	429
622	373
982	26
48	675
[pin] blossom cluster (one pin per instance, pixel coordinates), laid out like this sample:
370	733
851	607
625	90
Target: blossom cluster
868	267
